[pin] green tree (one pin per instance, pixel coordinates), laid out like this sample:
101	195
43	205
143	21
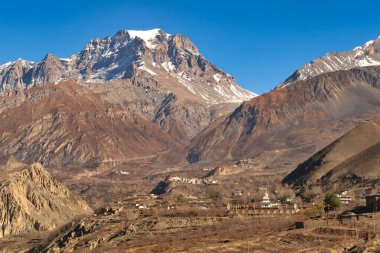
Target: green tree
331	202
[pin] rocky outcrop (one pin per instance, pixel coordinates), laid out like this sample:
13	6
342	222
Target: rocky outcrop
104	231
31	200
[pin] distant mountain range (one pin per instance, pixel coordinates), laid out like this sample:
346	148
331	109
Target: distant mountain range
152	94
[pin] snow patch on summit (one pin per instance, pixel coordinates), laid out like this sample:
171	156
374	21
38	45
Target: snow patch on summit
149	36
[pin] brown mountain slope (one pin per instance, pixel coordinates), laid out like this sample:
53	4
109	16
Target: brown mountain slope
355	155
67	124
177	113
307	114
360	169
32	200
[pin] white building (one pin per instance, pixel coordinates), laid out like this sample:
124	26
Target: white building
266	201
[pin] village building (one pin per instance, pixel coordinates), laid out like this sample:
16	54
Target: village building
177	179
345	199
242	163
373	202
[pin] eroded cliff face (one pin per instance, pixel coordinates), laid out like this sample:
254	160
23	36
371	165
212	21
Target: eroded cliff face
31	200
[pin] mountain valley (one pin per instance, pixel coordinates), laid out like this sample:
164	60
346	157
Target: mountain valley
148	146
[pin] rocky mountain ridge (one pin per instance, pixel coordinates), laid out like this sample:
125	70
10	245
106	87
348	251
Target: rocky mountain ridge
166	60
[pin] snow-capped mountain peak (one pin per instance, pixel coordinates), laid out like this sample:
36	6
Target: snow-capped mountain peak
171	60
362	56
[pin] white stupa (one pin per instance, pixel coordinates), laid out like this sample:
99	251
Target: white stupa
266	201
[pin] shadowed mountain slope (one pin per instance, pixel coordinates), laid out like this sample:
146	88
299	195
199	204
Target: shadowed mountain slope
345	162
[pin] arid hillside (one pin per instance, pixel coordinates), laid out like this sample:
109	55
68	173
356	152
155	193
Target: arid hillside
67	124
349	161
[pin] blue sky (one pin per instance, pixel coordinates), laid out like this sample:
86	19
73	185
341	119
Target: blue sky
260	43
